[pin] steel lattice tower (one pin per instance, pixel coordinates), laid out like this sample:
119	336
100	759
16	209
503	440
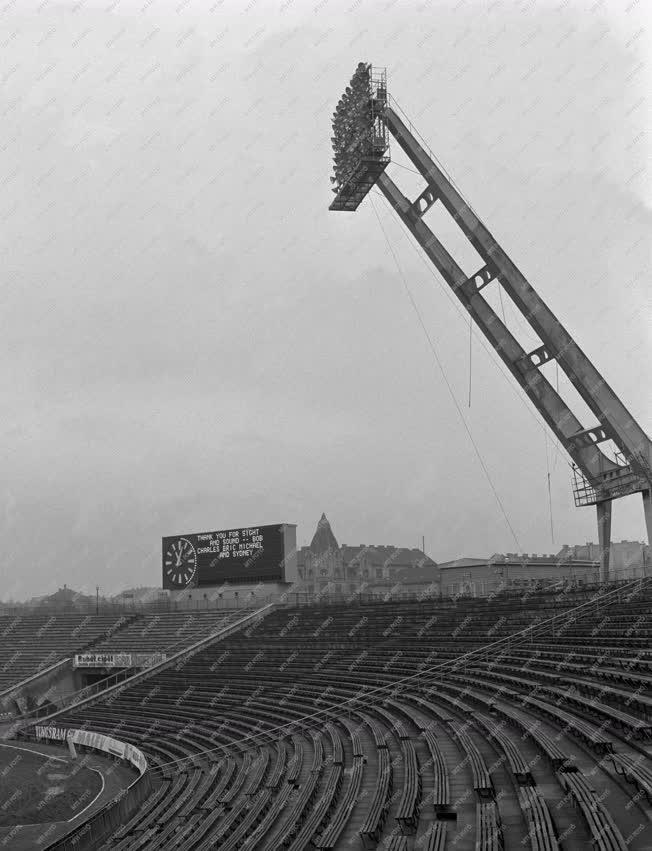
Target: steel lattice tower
362	126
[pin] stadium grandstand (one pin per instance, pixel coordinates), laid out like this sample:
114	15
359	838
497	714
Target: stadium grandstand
48	660
513	722
32	642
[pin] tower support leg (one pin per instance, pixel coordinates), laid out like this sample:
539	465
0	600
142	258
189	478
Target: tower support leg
647	508
604	538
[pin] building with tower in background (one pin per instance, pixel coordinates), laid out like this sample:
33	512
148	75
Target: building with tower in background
328	568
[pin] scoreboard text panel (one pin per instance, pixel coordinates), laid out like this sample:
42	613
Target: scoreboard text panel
250	554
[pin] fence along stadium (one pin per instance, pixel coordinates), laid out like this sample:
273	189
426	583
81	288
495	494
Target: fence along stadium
492	723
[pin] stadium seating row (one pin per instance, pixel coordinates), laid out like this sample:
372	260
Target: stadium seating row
414	736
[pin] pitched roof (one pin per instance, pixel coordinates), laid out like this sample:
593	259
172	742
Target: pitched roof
323	540
65	595
377	555
463	562
386	556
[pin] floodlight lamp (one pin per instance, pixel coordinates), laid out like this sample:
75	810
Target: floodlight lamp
360	138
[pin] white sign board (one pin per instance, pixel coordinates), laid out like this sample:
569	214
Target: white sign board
97	741
117	660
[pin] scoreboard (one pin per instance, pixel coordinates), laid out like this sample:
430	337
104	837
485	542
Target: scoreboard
249	554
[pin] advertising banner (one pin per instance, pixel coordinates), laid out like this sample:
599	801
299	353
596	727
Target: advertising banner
97	741
102	660
117	660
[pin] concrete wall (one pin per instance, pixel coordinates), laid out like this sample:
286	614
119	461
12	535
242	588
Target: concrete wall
49	686
229	596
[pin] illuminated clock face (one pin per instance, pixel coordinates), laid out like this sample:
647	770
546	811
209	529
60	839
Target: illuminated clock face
181	562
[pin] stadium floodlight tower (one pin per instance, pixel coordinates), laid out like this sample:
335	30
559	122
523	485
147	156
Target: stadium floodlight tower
362	124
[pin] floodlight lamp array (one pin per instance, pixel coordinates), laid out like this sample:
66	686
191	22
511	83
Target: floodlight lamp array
360	137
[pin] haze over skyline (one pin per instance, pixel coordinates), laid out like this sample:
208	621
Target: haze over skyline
193	341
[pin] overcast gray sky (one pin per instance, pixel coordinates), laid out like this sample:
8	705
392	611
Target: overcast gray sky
191	341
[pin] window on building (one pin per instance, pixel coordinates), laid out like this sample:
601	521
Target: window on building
379	573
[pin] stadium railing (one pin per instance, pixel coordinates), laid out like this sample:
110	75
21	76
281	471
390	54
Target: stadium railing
135	607
431	594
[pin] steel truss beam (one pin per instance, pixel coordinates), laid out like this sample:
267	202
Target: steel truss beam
552	407
592	387
607	480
